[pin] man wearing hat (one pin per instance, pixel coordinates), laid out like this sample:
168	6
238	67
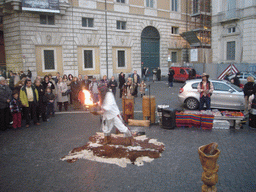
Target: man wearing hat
5	98
205	88
111	116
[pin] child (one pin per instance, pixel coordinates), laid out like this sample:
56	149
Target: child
15	106
50	102
142	88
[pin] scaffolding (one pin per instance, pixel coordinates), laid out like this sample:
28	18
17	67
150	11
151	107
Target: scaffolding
198	34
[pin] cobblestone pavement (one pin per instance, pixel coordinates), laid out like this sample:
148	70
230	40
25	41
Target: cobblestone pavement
30	158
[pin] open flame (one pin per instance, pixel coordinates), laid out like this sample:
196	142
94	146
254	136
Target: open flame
87	98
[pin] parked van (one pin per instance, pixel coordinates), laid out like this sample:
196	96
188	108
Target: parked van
182	73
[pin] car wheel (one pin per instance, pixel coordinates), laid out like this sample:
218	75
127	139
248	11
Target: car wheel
192	103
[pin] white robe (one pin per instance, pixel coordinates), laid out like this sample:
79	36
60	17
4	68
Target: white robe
112	117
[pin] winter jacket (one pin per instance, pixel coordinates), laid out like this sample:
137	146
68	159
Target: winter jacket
5	94
24	98
112	84
248	88
15	105
49	96
62	88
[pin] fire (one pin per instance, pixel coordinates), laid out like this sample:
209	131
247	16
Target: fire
87	98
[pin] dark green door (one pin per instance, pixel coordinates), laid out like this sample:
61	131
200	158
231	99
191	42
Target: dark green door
150	48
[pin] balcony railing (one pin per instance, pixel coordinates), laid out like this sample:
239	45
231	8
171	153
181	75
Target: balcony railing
233	14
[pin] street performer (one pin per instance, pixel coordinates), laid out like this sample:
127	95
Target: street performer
111	116
205	88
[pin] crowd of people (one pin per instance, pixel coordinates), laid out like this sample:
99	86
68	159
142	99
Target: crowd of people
22	99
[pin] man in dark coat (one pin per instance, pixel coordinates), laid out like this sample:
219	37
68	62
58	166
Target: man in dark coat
121	83
170	77
236	80
158	74
5	98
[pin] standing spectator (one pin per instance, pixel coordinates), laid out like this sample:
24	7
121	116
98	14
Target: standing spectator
54	90
39	78
16	78
248	91
205	88
129	87
158	74
170	77
142	88
5	98
136	81
50	102
29	74
70	77
86	83
93	87
20	84
47	83
57	78
22	74
80	78
190	74
147	74
112	85
236	80
29	99
69	81
194	73
121	83
143	73
15	106
11	81
154	74
75	88
226	76
104	80
42	103
62	96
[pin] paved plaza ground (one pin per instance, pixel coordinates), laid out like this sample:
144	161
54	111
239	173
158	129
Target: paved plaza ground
30	157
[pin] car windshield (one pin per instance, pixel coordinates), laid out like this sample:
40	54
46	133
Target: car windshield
234	87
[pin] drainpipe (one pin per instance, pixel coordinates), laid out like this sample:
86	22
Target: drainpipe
106	25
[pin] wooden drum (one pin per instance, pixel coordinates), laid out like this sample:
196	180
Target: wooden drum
128	108
149	108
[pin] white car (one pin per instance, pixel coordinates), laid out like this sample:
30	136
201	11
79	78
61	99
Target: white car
243	77
225	95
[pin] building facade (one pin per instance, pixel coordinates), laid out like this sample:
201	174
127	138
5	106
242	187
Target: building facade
233	35
95	37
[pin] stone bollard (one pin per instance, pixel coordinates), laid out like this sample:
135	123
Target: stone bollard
209	155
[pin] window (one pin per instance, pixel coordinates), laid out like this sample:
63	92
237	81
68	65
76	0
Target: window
150	3
88	59
195	6
49	61
174	5
174	58
231	50
120	58
120	1
232	30
121	25
194	85
220	87
175	30
87	22
47	19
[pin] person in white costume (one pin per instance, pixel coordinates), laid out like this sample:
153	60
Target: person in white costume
111	116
